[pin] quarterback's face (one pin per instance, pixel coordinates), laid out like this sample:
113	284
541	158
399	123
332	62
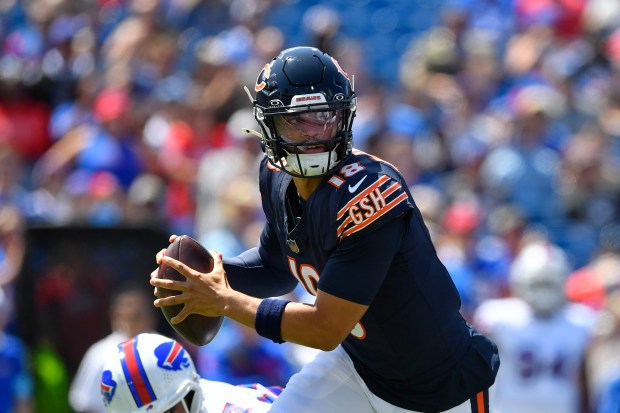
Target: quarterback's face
308	132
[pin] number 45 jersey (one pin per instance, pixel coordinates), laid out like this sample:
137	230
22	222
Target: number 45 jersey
361	238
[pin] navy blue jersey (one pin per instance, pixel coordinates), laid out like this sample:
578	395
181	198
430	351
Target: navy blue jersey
361	238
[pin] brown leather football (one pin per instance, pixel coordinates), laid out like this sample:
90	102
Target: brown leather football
197	329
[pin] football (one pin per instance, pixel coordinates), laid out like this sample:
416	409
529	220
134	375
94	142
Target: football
197	329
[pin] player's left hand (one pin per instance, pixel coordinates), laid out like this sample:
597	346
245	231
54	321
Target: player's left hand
200	293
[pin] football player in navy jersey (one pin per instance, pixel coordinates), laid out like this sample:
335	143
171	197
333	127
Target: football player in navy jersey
343	224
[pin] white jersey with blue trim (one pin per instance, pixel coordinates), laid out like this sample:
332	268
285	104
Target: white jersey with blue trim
541	357
222	397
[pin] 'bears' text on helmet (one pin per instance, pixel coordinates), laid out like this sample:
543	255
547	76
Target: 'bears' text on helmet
305	105
150	373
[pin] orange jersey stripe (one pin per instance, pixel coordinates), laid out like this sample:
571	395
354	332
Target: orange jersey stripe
361	195
480	402
343	226
391	189
379	214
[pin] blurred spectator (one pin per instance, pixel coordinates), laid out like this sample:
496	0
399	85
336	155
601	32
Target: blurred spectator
111	145
217	169
16	385
610	399
323	24
85	175
455	247
12	255
241	219
432	205
178	157
105	145
217	83
145	200
71	54
496	250
238	355
24	120
590	283
525	171
542	339
603	355
399	149
12	171
75	111
12	246
563	16
131	313
51	379
587	191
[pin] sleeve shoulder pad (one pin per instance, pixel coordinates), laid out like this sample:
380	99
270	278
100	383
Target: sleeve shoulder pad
367	200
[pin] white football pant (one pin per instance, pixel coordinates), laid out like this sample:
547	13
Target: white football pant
330	384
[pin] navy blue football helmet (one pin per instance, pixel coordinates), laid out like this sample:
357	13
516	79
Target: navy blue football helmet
305	105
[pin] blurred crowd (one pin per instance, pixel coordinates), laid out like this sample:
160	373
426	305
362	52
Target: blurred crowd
503	115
